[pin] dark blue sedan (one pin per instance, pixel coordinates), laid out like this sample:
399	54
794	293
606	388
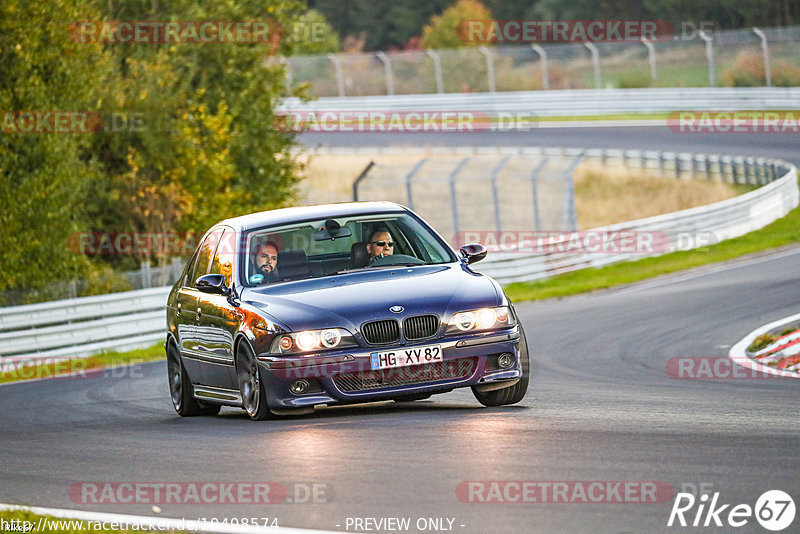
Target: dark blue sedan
281	311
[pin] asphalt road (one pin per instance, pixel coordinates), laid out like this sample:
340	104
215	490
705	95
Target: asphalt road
776	145
602	408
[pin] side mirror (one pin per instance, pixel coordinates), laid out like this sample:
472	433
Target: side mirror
212	283
473	252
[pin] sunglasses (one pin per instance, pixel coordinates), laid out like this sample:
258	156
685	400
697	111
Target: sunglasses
383	243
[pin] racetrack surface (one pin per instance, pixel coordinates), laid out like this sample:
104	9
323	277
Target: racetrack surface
602	407
773	145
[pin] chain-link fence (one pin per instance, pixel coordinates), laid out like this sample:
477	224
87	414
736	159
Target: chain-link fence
532	188
746	57
477	192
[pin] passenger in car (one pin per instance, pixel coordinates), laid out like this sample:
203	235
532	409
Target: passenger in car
380	244
265	260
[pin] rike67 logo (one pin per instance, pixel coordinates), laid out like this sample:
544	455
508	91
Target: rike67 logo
774	510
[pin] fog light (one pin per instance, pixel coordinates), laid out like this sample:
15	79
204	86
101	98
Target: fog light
299	386
506	360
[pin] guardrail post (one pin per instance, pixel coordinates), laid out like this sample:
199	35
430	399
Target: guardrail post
337	65
661	160
765	54
748	170
495	194
677	166
569	220
734	171
543	64
534	177
387	65
437	70
147	280
453	199
651	57
409	177
595	63
489	67
712	75
361	177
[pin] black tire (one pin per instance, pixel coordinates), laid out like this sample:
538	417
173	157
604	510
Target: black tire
251	386
511	394
180	388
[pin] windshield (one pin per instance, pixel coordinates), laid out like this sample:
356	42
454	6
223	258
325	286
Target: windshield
328	247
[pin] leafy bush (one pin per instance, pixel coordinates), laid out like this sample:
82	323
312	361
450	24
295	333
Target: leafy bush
761	341
748	71
635	79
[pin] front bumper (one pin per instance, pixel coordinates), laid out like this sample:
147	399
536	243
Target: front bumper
340	377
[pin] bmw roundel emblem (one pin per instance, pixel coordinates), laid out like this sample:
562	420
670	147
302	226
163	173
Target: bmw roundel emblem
396	309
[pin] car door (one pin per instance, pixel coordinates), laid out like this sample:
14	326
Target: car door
217	322
185	309
189	318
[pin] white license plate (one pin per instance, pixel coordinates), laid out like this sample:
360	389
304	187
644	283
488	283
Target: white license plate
405	357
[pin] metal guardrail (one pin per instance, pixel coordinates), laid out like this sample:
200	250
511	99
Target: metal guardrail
82	326
124	321
726	219
587	102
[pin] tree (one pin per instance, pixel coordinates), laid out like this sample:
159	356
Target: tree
313	35
44	181
448	29
208	150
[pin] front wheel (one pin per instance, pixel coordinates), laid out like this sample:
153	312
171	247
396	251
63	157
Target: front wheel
511	394
180	388
251	387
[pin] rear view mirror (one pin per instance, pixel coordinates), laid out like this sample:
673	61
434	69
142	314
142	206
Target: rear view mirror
212	283
473	252
332	230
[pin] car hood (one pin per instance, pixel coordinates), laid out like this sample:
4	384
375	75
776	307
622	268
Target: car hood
349	300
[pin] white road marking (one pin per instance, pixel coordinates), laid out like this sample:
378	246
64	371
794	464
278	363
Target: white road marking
739	355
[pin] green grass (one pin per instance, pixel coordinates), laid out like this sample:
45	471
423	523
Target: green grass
784	231
62	526
50	368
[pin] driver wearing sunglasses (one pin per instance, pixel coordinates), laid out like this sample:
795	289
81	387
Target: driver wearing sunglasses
380	244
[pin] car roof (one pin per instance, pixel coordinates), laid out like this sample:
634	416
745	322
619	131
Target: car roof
304	213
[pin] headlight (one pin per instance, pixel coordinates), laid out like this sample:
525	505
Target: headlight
312	340
483	319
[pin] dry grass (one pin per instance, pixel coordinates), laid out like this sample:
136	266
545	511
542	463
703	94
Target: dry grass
604	195
608	195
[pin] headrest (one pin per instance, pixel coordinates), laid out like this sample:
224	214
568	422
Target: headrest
359	256
293	264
